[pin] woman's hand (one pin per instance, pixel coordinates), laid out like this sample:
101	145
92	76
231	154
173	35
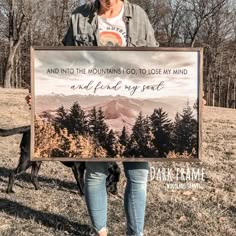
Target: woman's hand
28	100
203	100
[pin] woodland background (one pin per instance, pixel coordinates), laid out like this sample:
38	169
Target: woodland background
177	23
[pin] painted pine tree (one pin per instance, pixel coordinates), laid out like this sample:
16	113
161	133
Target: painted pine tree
176	132
186	131
161	128
92	122
124	138
111	144
60	120
141	140
98	129
102	128
77	123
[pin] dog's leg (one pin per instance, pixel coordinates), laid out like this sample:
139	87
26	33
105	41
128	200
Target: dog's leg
34	174
113	179
81	173
11	182
21	168
78	170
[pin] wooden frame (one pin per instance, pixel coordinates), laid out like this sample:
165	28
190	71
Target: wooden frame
126	78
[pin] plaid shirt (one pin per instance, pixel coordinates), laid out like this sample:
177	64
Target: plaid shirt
83	30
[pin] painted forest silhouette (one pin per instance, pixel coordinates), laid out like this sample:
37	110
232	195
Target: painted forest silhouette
79	134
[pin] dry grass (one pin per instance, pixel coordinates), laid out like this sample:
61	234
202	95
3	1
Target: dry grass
58	210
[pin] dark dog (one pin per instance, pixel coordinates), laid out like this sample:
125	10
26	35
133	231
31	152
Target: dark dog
78	168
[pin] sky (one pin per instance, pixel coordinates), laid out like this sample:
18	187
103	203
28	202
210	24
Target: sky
112	73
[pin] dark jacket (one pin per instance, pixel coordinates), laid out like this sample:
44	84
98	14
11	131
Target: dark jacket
83	27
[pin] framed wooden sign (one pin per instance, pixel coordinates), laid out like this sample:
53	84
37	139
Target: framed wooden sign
123	104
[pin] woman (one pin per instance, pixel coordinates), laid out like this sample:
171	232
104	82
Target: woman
113	23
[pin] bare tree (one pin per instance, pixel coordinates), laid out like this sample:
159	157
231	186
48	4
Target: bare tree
173	20
17	28
196	12
216	36
25	23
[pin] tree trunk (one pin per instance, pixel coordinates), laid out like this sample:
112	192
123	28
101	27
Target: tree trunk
9	64
16	64
20	76
228	93
193	42
1	73
234	93
219	91
8	71
13	44
213	96
209	92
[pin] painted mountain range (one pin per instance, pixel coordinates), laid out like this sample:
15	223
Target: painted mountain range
119	111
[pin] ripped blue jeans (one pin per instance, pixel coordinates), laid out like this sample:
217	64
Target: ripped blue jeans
134	199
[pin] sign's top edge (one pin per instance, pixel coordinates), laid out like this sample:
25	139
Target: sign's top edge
69	48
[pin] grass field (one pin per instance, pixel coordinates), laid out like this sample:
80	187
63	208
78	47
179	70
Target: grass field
58	210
